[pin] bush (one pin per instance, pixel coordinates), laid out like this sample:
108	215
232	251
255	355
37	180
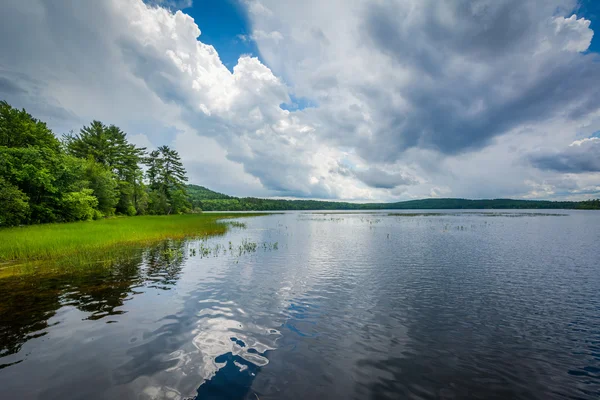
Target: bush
80	206
97	215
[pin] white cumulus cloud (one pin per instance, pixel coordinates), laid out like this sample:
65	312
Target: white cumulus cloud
411	98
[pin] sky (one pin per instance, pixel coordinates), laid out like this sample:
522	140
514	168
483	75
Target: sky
379	100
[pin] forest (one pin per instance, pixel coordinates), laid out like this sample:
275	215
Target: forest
92	174
207	200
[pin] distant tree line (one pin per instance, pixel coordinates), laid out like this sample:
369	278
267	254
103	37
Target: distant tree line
589	205
98	173
207	200
89	175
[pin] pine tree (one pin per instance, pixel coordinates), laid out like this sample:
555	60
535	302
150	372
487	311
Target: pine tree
166	177
108	146
154	163
173	175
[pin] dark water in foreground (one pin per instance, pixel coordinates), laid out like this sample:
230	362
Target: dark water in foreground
307	306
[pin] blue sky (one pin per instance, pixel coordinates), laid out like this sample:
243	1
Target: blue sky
590	9
225	25
222	22
330	99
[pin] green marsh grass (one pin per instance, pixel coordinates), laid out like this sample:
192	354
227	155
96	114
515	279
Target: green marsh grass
79	240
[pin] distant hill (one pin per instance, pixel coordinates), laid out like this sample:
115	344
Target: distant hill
202	193
208	200
197	194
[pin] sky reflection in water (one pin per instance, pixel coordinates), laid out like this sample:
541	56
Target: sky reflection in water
355	305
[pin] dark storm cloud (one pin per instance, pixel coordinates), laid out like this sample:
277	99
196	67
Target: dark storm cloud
454	110
439	120
582	156
23	91
485	34
8	86
377	178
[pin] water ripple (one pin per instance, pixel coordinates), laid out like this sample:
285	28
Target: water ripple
349	306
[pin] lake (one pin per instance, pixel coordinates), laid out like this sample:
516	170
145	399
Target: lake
308	305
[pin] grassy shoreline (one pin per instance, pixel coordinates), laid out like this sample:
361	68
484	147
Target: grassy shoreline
53	241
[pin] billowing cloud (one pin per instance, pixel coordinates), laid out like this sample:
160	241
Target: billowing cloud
579	157
414	98
143	67
399	81
449	77
377	178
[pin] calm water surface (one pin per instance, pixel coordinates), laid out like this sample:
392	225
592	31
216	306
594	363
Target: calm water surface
313	305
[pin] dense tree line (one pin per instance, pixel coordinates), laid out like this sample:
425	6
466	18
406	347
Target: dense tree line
89	175
589	205
207	200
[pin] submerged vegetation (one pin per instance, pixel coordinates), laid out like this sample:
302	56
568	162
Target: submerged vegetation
81	239
203	249
478	214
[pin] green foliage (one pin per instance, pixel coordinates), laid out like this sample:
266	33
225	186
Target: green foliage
80	206
108	146
167	177
102	181
31	170
131	211
253	204
589	205
14	206
141	200
97	215
19	129
93	174
179	201
196	194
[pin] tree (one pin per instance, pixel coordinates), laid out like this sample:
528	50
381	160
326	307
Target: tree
154	163
104	185
125	163
20	129
33	171
92	141
14	206
108	146
172	175
94	173
166	177
28	159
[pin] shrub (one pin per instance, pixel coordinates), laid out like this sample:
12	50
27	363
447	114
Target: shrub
80	206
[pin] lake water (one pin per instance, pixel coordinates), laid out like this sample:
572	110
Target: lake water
447	305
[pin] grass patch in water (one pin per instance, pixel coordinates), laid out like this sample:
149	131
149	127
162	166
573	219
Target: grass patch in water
79	240
423	214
